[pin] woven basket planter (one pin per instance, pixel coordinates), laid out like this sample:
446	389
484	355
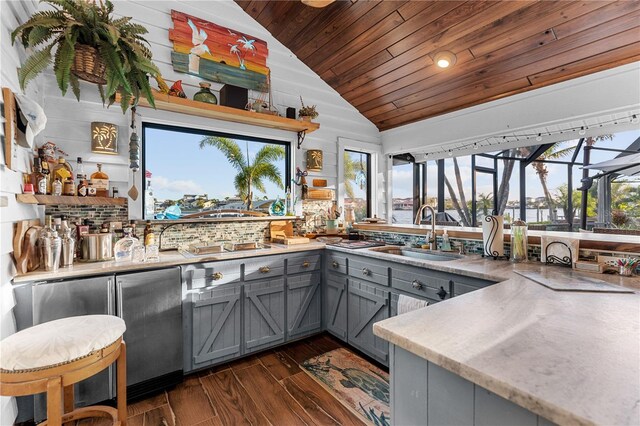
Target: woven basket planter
88	65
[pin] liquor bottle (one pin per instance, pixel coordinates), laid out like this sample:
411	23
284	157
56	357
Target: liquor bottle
62	170
123	250
47	175
69	187
149	236
149	202
79	171
100	181
40	180
56	187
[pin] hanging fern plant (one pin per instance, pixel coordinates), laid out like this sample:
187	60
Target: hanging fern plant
81	32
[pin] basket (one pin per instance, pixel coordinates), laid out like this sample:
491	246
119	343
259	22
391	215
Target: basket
88	65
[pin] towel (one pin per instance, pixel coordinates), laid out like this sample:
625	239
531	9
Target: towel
408	304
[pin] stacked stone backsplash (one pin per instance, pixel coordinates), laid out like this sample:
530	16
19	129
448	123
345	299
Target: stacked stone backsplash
182	235
95	215
476	246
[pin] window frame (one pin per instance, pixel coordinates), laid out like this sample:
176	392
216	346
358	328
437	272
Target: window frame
374	151
287	144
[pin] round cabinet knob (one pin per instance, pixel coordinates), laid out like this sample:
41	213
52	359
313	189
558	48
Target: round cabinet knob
305	264
416	284
442	293
217	276
335	264
365	271
264	269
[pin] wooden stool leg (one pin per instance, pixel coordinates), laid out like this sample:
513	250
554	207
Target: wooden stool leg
54	402
69	399
121	384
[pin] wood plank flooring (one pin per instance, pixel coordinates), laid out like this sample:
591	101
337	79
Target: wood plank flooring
268	388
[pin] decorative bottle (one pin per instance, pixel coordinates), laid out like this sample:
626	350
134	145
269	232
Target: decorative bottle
519	241
124	247
100	181
205	94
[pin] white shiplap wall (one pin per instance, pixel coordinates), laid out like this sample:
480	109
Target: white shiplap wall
69	120
11	13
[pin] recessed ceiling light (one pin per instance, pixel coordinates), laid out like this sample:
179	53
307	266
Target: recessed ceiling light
317	3
445	59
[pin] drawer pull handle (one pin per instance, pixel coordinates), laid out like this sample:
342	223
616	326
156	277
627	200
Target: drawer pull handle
442	293
306	264
335	264
416	284
366	271
216	276
264	269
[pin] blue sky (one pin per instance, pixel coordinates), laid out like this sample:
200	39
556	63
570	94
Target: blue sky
402	175
179	166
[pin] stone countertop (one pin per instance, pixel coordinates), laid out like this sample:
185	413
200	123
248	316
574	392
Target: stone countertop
570	357
167	259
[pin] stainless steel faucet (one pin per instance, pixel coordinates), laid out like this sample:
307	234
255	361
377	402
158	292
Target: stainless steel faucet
431	237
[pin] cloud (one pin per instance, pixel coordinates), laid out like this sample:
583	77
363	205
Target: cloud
175	187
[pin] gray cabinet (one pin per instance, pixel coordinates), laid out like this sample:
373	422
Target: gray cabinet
263	267
304	305
150	304
335	305
264	314
369	269
367	304
213	318
303	262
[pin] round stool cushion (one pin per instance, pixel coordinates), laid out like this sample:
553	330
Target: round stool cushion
58	342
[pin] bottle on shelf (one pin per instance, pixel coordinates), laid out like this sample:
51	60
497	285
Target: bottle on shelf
46	171
149	202
100	181
69	187
152	251
56	187
80	175
91	190
62	170
40	180
149	236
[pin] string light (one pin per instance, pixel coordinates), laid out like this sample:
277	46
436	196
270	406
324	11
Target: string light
582	130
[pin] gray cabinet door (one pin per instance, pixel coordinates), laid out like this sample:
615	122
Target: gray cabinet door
150	304
368	304
335	305
62	299
213	326
304	305
263	314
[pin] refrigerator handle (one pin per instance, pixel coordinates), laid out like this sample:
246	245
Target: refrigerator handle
119	298
110	299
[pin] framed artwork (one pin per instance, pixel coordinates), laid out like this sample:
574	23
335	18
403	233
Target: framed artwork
104	138
218	54
314	160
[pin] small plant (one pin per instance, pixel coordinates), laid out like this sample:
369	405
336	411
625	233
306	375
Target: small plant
307	111
75	25
619	218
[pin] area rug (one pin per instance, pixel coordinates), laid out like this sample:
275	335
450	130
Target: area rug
359	385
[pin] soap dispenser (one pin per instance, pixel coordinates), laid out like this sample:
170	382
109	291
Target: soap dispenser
446	243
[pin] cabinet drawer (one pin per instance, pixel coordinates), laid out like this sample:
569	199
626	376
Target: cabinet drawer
264	267
422	282
210	274
418	288
367	269
336	262
303	262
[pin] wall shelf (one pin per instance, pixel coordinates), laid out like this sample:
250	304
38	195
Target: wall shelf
186	106
69	200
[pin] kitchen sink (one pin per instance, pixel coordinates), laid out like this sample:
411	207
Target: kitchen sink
416	253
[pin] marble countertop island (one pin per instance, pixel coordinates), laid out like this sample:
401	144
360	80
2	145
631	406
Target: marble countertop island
570	357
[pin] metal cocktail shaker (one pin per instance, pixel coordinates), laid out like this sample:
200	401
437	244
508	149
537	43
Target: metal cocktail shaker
68	249
51	248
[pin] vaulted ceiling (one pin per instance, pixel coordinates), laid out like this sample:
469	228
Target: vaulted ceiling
379	54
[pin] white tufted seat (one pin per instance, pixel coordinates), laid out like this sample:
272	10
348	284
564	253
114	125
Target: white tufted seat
59	342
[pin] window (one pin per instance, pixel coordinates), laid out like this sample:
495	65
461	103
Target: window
357	183
197	173
403	188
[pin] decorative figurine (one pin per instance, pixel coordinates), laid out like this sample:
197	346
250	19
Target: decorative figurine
176	90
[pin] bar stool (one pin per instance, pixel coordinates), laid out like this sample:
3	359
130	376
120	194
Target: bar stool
52	356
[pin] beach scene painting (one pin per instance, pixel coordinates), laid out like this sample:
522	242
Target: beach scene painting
217	53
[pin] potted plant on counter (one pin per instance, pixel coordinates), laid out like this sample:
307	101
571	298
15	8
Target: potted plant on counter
307	113
85	41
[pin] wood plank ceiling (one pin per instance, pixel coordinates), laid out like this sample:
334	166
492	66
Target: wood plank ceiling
379	54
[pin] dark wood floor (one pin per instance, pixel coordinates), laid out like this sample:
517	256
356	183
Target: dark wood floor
267	388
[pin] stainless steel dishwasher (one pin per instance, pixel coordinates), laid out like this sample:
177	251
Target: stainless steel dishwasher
150	303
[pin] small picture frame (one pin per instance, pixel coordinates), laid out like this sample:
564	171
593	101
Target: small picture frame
314	160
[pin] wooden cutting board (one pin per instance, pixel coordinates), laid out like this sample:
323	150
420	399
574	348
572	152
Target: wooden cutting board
19	231
571	281
29	259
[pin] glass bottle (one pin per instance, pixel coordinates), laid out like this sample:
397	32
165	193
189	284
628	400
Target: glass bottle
79	171
69	187
149	202
40	180
47	175
91	190
519	241
205	94
56	187
149	236
123	249
62	170
100	181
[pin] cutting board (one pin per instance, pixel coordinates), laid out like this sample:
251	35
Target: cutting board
571	281
20	229
29	259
